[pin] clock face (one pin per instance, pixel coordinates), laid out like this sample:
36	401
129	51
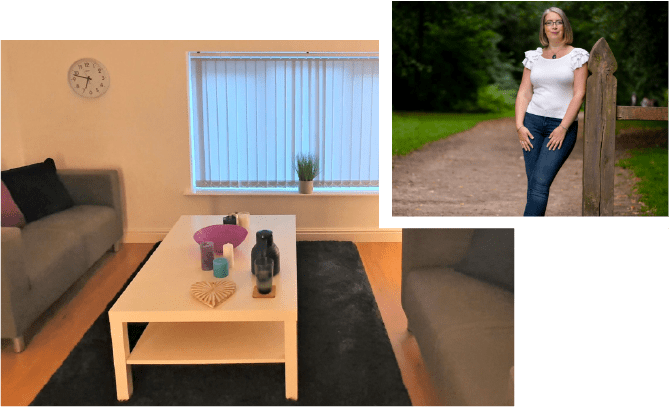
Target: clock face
88	78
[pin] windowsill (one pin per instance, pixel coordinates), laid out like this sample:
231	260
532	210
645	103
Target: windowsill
261	192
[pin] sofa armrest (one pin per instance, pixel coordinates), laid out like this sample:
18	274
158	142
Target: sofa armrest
94	187
15	282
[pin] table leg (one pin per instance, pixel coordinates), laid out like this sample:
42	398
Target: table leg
121	349
290	341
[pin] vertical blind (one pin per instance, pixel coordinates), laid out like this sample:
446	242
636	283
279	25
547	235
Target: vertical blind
251	114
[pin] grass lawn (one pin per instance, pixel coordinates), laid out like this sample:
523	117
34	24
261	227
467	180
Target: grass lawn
639	124
650	165
412	130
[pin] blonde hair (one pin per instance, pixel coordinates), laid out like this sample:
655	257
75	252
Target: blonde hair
568	33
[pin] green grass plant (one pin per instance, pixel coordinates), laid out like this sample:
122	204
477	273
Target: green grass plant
650	165
306	166
412	130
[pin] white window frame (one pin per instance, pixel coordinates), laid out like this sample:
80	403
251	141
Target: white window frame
196	107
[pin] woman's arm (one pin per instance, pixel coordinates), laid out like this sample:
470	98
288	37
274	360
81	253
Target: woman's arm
523	98
580	76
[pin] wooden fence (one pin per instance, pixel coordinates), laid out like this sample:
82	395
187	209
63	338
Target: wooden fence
599	132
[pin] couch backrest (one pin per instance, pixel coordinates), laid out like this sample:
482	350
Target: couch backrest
434	247
490	257
486	254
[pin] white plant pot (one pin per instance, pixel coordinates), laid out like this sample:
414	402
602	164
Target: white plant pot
306	187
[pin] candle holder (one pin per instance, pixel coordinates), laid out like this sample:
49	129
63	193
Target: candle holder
264	267
207	255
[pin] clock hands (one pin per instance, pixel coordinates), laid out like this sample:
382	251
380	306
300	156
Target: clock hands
88	79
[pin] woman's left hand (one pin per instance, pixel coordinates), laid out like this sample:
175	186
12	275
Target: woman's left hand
556	138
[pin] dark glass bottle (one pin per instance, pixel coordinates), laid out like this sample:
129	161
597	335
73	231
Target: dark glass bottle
265	247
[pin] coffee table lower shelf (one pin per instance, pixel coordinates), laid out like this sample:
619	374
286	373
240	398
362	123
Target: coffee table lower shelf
210	343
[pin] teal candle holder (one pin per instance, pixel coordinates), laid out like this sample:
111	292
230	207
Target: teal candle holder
221	267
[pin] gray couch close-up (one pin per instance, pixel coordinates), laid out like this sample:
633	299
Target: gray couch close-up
44	258
457	293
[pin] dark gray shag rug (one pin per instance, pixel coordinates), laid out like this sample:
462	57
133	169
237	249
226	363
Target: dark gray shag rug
344	354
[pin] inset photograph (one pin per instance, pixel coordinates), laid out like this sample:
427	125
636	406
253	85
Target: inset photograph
524	109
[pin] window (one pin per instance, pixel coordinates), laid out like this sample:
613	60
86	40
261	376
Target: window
252	113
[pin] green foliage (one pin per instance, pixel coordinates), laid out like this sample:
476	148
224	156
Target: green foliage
493	99
637	35
444	52
639	124
411	131
650	165
306	166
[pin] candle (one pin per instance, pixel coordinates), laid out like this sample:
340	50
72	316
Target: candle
228	254
207	255
244	220
220	267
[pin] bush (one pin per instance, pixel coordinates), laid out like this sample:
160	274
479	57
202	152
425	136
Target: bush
492	99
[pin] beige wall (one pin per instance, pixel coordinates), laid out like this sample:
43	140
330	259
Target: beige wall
140	127
12	145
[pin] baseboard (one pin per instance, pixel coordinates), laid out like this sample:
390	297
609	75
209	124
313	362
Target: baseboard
145	236
354	235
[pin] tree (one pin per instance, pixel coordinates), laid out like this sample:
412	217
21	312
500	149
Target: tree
446	55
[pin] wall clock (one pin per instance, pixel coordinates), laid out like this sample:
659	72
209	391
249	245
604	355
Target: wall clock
88	78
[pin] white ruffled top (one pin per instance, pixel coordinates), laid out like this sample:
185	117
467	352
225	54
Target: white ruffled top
552	81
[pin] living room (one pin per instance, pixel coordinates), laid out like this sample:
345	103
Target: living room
140	129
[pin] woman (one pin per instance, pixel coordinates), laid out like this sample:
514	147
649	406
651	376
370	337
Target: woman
549	98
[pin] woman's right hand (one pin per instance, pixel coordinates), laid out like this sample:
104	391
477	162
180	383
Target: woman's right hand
524	136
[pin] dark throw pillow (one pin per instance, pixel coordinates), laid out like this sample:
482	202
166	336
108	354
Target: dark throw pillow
37	190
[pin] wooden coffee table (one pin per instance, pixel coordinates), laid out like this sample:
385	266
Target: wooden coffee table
183	330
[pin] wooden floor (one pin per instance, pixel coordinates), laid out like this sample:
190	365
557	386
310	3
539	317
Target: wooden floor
61	328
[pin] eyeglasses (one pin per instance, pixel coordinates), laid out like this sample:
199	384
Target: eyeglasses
550	23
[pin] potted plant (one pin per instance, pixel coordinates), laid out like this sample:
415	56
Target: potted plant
307	169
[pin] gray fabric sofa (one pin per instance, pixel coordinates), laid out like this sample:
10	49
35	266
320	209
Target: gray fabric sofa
44	258
457	293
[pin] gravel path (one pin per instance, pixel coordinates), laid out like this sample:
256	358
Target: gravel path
481	172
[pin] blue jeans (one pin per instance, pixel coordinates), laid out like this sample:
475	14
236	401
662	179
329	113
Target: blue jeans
542	164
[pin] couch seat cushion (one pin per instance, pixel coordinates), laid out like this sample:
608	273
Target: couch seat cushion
54	259
95	224
464	328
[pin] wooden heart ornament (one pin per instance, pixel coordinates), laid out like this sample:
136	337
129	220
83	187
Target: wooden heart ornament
213	293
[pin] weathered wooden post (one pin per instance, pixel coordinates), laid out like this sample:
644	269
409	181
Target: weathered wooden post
599	132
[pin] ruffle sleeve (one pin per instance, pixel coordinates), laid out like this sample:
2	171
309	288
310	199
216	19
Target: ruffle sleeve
531	57
579	56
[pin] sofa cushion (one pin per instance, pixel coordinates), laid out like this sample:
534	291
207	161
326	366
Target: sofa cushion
464	328
11	214
96	225
37	190
54	259
490	257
